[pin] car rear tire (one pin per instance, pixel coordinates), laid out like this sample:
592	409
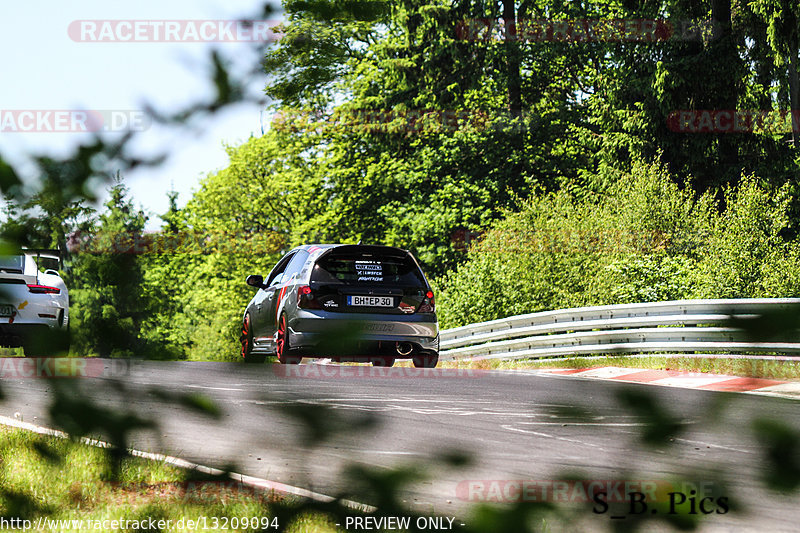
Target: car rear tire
383	361
282	348
246	340
425	361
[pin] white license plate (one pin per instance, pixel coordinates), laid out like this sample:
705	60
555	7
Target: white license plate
370	301
6	310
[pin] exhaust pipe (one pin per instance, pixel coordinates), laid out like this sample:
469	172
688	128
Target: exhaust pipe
404	348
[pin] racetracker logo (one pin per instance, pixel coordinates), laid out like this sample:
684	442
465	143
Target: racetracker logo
72	121
567	240
189	242
197	492
586	30
564	491
734	121
168	31
62	367
317	371
388	121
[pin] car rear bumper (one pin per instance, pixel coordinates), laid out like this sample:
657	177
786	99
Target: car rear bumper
329	333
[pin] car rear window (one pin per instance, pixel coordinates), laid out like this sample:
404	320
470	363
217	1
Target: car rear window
357	269
12	263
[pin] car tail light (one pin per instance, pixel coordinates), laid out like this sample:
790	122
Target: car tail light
43	289
306	299
428	304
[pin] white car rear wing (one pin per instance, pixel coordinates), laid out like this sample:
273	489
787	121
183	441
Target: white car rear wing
50	254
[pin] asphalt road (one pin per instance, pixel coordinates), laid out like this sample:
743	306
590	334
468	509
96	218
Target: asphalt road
515	426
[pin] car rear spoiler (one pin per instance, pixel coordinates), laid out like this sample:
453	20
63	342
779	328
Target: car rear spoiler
42	252
370	248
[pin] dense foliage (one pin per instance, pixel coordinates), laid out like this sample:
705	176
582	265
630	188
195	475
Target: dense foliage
645	239
567	162
396	124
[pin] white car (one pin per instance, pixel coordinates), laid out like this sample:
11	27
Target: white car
34	303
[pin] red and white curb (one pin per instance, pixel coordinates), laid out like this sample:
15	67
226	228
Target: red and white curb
686	380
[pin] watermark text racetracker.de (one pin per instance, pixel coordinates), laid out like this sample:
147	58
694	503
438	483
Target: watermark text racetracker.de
144	523
189	242
768	121
73	120
63	367
166	31
586	30
562	239
202	492
404	121
323	371
618	498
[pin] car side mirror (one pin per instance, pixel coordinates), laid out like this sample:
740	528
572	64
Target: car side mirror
255	280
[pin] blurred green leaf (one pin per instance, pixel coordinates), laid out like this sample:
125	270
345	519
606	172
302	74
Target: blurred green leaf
660	424
781	452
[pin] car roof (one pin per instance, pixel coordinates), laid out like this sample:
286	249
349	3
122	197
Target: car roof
311	248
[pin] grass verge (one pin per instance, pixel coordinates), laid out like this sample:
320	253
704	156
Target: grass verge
44	477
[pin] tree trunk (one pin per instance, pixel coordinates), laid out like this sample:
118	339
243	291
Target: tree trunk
512	58
794	89
727	55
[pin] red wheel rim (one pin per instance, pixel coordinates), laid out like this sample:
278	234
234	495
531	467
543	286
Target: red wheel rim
281	341
245	338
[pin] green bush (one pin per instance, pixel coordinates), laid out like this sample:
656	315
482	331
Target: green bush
745	254
643	239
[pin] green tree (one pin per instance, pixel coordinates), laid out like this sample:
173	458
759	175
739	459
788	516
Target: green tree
236	224
46	219
645	239
107	299
782	19
425	138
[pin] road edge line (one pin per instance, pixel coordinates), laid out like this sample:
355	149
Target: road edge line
256	482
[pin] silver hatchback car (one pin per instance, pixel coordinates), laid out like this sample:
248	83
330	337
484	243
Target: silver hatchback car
346	302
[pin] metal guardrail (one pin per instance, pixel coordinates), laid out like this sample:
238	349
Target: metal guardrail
676	326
